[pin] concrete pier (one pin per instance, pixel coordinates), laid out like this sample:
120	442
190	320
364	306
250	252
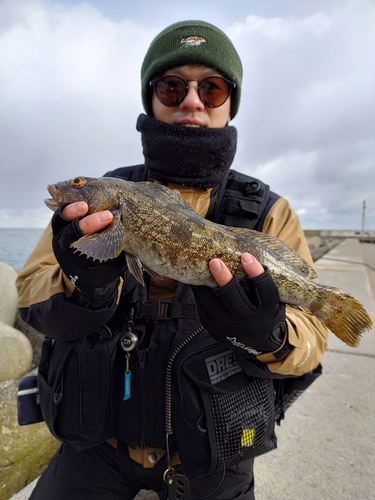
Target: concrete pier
326	444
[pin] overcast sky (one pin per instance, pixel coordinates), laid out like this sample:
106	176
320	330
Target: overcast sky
70	97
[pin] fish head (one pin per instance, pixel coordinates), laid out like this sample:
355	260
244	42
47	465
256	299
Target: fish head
92	190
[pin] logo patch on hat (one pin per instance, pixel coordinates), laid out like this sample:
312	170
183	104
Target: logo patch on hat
192	40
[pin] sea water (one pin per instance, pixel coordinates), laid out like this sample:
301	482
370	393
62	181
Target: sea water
16	245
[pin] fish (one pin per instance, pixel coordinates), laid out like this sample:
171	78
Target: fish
161	234
192	40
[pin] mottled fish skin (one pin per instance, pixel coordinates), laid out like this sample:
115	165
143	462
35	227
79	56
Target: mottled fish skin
162	234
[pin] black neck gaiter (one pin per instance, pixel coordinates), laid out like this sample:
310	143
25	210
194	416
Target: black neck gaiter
199	157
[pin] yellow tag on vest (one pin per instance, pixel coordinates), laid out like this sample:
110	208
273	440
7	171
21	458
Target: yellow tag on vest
247	437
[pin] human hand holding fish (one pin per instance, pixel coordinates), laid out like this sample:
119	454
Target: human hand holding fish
99	220
97	281
91	223
162	235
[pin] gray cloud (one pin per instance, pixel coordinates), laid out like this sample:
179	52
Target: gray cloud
69	87
310	105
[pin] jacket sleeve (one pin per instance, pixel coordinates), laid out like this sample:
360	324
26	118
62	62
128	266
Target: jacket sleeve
306	334
46	298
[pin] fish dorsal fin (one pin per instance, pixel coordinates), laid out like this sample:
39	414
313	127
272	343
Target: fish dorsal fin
135	268
163	192
276	245
107	244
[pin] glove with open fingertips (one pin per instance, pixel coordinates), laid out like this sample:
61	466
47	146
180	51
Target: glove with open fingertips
98	281
248	319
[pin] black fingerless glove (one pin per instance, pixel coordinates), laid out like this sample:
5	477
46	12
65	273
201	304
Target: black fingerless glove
247	322
96	280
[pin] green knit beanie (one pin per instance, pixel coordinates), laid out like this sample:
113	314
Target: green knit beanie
191	42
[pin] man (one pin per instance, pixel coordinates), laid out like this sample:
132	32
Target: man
132	363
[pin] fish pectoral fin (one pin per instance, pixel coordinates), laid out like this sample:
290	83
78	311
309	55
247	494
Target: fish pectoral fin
135	268
104	245
152	273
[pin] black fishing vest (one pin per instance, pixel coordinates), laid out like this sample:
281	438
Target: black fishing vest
241	201
82	382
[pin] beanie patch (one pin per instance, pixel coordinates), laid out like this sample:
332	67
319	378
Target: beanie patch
192	40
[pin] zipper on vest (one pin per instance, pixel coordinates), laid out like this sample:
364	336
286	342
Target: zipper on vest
142	379
168	386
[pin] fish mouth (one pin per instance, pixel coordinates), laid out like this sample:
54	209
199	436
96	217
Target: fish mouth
57	197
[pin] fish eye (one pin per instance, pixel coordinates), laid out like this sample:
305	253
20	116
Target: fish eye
77	181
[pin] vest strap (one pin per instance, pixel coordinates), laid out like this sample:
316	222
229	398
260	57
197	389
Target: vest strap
242	202
158	310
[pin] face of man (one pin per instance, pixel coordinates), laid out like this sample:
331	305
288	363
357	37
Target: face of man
192	112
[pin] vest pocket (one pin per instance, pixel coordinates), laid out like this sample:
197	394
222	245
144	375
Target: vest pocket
241	423
74	387
225	414
51	384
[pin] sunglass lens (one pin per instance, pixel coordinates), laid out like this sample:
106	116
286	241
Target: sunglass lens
171	91
214	91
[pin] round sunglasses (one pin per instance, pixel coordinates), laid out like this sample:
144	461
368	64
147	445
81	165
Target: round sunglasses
213	91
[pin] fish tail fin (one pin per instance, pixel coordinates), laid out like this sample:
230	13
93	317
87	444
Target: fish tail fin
342	314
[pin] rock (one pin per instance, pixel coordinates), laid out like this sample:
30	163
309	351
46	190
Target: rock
24	450
319	246
314	241
8	294
16	354
332	242
35	337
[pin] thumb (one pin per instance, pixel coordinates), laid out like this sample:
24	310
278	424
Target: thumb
251	266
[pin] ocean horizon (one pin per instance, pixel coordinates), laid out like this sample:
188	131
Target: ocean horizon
16	245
